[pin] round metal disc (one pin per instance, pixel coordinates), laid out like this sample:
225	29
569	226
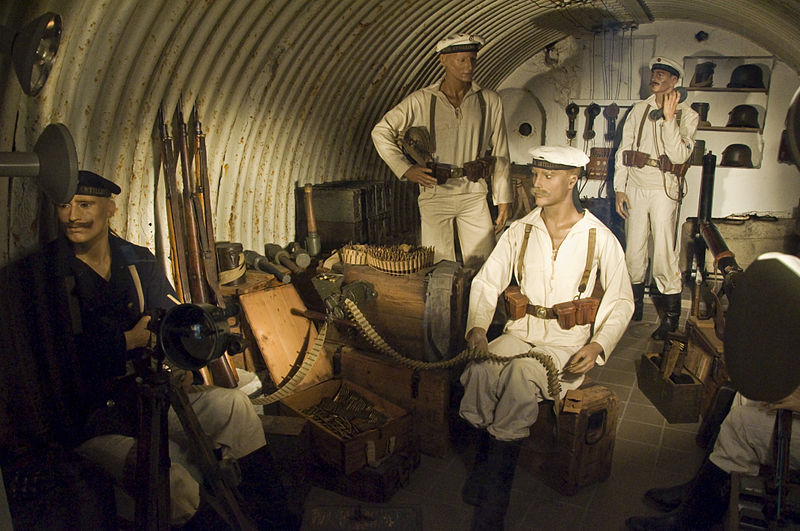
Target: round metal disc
762	329
58	163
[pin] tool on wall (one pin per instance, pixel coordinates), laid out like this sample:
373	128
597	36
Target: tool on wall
592	111
611	113
572	113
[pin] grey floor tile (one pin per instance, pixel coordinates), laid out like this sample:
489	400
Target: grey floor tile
644	413
621	364
678	462
639	432
679	440
613	376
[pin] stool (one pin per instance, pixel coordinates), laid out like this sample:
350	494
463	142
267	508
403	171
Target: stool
581	453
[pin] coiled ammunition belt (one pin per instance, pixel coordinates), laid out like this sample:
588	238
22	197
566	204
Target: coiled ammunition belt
465	356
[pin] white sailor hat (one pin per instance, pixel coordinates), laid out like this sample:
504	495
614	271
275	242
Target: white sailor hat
460	42
558	157
664	63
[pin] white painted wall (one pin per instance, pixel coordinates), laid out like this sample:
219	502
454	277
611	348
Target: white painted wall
773	188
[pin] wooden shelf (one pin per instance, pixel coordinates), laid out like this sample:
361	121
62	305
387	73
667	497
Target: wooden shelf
725	89
730	129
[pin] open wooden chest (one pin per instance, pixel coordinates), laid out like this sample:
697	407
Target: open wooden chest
359	427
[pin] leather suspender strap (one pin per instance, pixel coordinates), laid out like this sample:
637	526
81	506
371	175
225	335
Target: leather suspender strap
522	249
433	123
589	259
482	103
641	126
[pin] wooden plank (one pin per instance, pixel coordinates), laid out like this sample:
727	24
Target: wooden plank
281	337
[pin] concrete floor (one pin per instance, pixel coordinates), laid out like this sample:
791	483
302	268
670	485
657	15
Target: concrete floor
648	452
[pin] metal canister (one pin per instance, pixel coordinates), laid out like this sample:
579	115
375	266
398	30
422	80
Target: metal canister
696	159
230	262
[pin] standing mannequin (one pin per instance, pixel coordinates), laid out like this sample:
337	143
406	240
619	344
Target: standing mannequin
649	191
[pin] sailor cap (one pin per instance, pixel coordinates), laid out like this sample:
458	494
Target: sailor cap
460	42
664	63
89	183
558	157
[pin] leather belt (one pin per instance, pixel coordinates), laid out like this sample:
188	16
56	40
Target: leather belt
542	312
442	172
666	165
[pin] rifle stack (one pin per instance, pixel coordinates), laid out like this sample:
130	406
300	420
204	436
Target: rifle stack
191	228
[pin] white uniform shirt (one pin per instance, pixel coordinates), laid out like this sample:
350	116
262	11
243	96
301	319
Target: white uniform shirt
457	132
549	280
658	138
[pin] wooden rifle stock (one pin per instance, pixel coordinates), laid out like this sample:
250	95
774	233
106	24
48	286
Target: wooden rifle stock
175	217
221	371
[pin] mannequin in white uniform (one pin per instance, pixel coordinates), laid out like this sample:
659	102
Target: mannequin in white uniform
467	122
501	400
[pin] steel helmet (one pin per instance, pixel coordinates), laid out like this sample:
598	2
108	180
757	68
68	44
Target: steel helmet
703	75
747	76
737	156
743	116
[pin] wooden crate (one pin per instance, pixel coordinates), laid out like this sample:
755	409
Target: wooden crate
282	338
349	455
583	450
426	394
398	312
679	403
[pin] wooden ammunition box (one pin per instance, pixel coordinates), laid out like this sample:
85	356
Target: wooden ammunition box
583	449
426	394
678	402
283	339
370	483
348	455
398	312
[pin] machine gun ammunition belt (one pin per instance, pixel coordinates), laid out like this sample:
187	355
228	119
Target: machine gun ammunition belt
308	362
467	355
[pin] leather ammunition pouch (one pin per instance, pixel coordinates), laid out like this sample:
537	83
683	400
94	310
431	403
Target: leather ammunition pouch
640	159
575	312
568	314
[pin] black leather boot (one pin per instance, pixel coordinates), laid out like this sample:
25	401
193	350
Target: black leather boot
668	498
474	486
672	314
638	301
501	462
704	506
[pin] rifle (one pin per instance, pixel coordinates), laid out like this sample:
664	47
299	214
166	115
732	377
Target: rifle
207	240
177	235
221	371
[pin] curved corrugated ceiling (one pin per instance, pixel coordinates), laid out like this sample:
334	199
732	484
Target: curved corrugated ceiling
287	90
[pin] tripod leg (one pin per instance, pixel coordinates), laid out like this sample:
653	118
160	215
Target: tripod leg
203	452
783	436
152	456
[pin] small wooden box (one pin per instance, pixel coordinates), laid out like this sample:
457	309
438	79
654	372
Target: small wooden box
679	403
582	453
426	394
348	455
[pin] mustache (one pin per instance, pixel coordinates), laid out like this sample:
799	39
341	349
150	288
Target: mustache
538	191
78	225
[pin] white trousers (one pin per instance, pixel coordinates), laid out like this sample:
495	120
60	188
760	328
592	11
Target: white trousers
503	398
652	212
745	440
226	416
473	222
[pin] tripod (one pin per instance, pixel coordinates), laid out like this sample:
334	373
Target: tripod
156	394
